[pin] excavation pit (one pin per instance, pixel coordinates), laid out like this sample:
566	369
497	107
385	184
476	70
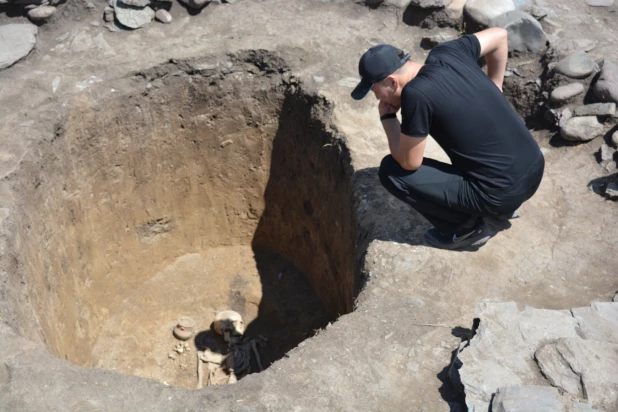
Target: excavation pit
209	184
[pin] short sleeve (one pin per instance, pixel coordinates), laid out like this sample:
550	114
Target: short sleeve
466	48
415	114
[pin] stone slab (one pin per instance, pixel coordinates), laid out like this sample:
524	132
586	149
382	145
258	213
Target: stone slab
16	42
596	109
582	368
599	321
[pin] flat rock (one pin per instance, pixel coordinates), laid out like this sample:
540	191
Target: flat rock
16	41
163	16
599	321
525	33
582	129
484	11
606	87
136	3
501	353
41	13
582	368
133	17
533	398
577	65
430	4
600	3
596	109
564	47
195	4
563	93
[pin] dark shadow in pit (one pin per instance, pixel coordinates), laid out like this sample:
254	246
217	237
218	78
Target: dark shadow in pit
191	11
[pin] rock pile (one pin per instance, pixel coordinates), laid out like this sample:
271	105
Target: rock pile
38	11
560	359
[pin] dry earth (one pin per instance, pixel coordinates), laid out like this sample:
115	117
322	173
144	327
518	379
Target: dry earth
117	178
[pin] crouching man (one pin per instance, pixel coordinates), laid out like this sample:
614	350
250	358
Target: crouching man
496	164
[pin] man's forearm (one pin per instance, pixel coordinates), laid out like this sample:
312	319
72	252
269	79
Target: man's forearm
392	128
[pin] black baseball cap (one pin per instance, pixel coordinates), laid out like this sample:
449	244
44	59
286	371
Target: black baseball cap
376	64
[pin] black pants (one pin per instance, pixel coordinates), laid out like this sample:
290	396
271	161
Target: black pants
450	201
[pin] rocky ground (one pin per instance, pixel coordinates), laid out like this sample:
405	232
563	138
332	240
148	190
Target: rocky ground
417	305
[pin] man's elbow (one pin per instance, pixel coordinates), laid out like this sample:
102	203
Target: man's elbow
409	165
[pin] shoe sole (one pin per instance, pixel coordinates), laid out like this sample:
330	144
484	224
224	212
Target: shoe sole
457	246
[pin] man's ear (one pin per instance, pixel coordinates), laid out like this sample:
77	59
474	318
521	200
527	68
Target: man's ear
392	82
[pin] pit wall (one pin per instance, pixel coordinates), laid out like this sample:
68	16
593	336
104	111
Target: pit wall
212	152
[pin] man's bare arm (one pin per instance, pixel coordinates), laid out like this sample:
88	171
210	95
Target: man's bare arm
406	150
495	48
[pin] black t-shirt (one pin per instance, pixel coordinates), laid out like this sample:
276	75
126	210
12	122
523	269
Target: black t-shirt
455	102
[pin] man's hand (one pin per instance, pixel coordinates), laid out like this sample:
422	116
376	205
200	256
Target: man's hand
385	108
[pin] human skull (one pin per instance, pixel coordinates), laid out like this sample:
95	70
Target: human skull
229	323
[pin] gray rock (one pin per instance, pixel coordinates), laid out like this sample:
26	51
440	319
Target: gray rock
16	41
564	117
501	353
596	109
108	14
41	13
582	129
600	3
577	65
163	16
133	17
615	299
484	11
599	321
612	190
564	47
525	34
436	39
136	3
563	93
402	4
430	4
606	154
615	138
582	368
523	4
532	398
606	87
195	4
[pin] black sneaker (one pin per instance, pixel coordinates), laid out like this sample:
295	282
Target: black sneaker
473	238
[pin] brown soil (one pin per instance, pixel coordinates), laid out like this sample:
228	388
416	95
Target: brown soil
146	207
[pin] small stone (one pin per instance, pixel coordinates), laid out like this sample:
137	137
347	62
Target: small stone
615	299
136	3
430	42
90	6
600	3
16	42
607	154
94	23
582	129
41	13
606	87
564	47
525	34
577	65
615	138
172	355
132	17
564	117
484	11
563	93
163	16
108	14
596	109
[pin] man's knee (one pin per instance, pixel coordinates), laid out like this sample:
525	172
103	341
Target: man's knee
388	169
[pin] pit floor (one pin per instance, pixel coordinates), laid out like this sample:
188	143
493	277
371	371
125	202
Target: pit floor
272	295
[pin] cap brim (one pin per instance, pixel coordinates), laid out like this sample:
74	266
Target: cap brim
361	90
